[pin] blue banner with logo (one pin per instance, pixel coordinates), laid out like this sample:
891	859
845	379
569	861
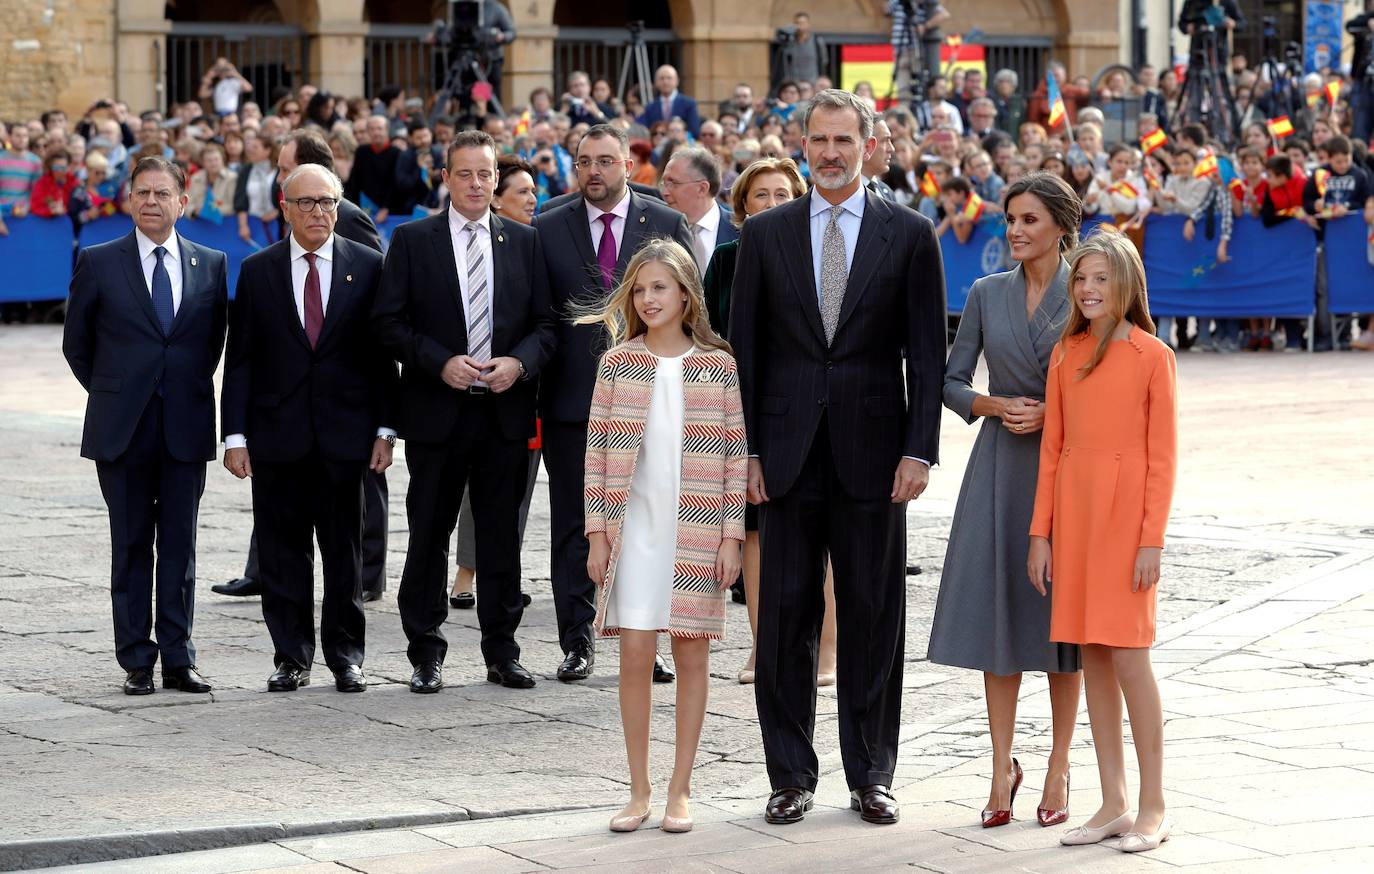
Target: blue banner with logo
1349	276
1271	271
965	263
1321	35
36	259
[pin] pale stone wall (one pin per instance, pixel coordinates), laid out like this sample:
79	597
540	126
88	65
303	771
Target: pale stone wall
55	54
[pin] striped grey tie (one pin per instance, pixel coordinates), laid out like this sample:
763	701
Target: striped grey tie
479	302
834	274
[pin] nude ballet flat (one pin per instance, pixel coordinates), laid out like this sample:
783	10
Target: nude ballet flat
630	821
676	824
1135	842
825	679
746	678
1081	835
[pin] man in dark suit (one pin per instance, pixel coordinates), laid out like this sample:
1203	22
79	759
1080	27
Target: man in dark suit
876	165
691	181
642	190
352	223
669	103
305	413
144	332
465	306
587	243
838	324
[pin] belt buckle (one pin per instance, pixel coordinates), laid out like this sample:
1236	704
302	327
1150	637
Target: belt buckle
478	389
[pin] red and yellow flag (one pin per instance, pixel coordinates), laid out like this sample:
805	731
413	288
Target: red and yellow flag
973	207
1058	114
1280	127
1333	92
1152	180
1313	98
522	126
1237	187
1124	189
1206	166
930	186
1150	142
1320	178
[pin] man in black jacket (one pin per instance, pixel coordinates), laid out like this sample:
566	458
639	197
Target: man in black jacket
587	243
143	335
464	306
307	391
372	181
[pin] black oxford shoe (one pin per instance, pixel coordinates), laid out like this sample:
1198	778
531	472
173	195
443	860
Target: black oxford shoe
185	679
242	587
577	665
428	678
511	674
139	682
288	678
662	673
786	806
875	804
349	678
372	595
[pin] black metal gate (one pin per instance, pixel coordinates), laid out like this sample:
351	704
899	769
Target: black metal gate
396	54
600	52
270	56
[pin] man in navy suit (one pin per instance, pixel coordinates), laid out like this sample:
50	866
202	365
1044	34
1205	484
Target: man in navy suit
668	104
691	181
144	332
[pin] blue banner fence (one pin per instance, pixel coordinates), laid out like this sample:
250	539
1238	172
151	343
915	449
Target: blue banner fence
1271	271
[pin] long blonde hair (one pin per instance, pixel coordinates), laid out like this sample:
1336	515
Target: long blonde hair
1126	289
618	313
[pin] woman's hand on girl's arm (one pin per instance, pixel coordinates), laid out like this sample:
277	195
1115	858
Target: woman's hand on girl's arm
1146	568
1038	563
728	561
598	557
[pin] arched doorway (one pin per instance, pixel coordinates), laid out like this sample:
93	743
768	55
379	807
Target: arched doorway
267	41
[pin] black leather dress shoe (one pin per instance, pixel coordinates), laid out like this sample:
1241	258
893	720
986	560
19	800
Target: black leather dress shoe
288	678
786	806
428	678
511	674
737	592
242	587
577	665
349	678
186	679
462	601
662	673
139	682
875	804
372	595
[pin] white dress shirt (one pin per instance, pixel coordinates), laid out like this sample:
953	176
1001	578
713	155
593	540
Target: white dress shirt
621	211
172	261
300	270
458	236
705	232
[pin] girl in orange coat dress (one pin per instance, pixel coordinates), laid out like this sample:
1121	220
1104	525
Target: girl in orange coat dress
1107	465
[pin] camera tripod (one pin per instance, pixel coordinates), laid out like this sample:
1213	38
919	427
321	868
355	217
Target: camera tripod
912	51
462	74
1206	95
636	59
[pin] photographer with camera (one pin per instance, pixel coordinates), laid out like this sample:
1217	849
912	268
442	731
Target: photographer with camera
915	44
474	38
801	55
1361	28
224	85
1199	17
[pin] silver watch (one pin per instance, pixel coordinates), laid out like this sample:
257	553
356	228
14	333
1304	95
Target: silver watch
390	438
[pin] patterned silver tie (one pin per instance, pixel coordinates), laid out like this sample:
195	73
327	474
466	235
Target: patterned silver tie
479	305
834	274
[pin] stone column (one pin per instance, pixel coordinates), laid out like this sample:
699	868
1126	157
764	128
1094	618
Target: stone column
337	45
141	54
529	60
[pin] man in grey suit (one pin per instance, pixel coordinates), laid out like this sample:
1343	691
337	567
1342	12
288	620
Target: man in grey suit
837	319
587	242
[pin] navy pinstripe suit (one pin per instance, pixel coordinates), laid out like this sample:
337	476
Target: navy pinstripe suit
830	423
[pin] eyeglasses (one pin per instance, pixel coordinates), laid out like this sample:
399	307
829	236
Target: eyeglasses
668	182
603	163
308	204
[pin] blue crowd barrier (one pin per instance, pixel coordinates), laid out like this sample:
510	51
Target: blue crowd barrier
223	236
965	263
36	259
1349	275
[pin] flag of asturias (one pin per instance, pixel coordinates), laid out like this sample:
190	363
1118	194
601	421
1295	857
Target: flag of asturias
1150	142
1280	127
1058	114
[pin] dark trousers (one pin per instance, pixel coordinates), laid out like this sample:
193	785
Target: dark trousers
152	498
493	469
574	594
865	541
294	503
376	506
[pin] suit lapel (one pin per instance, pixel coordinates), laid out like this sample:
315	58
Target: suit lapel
500	269
191	266
803	276
581	233
281	290
442	239
868	253
1022	329
133	270
341	290
1050	316
636	229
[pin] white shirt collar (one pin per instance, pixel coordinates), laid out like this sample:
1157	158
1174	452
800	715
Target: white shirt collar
670	98
711	220
326	250
854	203
620	210
146	246
457	221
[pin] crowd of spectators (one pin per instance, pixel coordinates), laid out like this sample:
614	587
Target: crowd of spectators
948	154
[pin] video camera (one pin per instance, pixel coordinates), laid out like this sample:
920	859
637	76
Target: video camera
465	27
1202	14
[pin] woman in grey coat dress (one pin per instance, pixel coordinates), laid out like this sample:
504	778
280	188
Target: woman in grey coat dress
988	617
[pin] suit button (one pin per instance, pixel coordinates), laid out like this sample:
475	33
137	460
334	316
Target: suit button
820	402
829	365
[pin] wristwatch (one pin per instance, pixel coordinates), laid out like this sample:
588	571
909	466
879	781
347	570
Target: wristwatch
524	374
390	439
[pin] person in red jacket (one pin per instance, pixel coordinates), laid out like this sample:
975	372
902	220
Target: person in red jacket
52	193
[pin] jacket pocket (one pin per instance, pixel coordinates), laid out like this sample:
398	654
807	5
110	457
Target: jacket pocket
888	406
774	405
106	383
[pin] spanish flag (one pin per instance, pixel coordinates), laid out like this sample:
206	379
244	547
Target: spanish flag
1237	187
1313	98
1280	127
1150	142
1124	189
1058	114
1206	166
1152	180
522	126
1333	92
1320	178
930	187
973	207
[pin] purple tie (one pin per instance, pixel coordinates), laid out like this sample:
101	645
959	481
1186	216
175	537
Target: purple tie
605	252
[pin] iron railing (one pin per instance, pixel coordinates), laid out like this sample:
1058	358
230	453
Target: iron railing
270	56
396	54
600	53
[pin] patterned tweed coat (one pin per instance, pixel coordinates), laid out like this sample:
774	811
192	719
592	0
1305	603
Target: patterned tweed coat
714	470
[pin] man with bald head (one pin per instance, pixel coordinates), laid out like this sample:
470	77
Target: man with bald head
668	103
306	413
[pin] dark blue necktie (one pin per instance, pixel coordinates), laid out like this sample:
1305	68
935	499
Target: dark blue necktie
162	292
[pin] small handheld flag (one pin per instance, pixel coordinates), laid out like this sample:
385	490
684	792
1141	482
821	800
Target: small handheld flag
1313	98
1280	127
1333	92
1150	142
523	125
1125	189
930	186
1152	180
1058	114
1206	166
973	207
1320	178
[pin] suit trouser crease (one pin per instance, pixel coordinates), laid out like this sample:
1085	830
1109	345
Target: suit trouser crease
153	500
865	541
465	547
295	503
565	457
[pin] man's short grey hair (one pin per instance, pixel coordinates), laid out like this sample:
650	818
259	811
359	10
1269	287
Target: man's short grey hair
980	102
1005	75
335	186
1093	115
834	98
702	162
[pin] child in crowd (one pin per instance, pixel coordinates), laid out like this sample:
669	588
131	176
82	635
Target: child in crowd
962	207
1300	153
1120	193
1248	200
1183	194
941	172
1088	137
1215	210
1282	202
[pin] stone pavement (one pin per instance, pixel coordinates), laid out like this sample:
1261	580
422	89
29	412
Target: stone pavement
1265	619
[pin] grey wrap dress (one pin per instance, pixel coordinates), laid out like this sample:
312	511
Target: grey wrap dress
988	617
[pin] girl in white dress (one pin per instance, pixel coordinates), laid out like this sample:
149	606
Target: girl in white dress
665	476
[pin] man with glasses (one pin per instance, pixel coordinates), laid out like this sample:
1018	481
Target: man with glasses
464	305
306	413
143	335
691	181
587	242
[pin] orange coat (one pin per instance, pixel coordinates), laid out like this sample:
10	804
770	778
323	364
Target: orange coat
1107	464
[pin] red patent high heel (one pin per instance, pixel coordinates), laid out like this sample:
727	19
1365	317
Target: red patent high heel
993	818
1048	817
